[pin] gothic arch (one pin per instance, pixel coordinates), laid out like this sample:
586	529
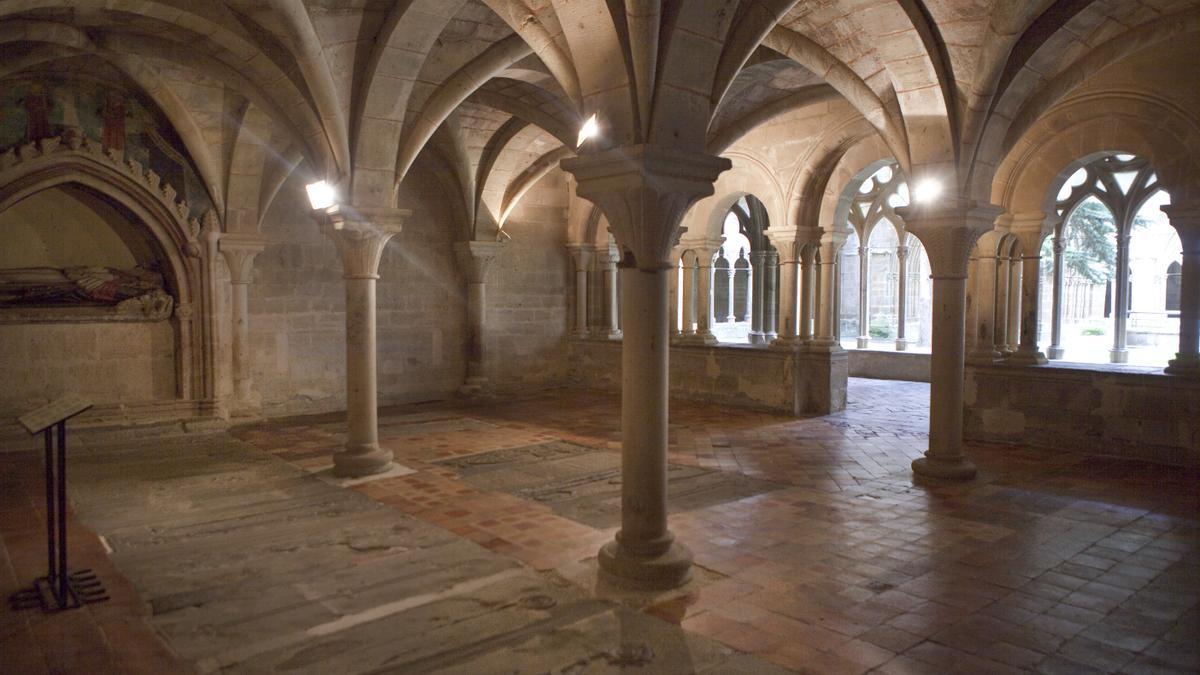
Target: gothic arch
185	251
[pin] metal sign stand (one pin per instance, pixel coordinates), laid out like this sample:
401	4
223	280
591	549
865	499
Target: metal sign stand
60	588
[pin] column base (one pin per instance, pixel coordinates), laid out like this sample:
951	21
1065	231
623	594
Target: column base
983	358
614	335
1054	353
901	345
957	469
698	339
863	342
1118	356
669	569
1185	365
474	387
757	338
787	343
357	461
1023	357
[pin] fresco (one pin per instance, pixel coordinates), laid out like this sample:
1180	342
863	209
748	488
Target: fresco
32	109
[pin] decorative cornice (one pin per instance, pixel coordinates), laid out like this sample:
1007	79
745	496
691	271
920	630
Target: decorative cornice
360	235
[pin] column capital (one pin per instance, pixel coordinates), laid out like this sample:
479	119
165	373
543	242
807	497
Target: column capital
581	254
902	251
1185	218
476	258
948	230
239	251
644	191
360	234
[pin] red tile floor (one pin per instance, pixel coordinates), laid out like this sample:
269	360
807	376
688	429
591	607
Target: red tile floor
1049	561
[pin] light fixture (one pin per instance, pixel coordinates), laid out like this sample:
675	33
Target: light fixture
927	190
590	128
321	195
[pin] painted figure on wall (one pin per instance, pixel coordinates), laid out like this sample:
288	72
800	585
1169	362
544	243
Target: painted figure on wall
113	114
75	285
37	113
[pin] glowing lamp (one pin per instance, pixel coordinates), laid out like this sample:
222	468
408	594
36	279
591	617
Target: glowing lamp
927	190
321	195
590	128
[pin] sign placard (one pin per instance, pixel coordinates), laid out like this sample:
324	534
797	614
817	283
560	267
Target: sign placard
54	412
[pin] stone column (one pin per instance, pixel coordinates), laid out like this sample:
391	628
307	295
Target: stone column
981	312
1029	228
689	295
808	289
582	257
901	297
864	283
730	316
673	296
1056	315
827	307
1000	313
1185	218
1119	353
475	258
644	191
239	252
757	289
704	294
788	292
948	229
611	258
360	240
1012	338
771	296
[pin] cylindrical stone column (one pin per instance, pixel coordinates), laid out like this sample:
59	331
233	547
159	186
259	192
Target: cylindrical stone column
808	290
864	283
361	244
1056	312
610	279
1119	352
689	294
475	258
901	297
582	258
789	295
239	252
1000	311
948	231
704	302
1031	277
771	296
827	313
757	289
1185	218
1012	339
982	302
730	317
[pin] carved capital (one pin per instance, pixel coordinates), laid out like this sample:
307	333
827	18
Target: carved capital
644	191
239	252
581	254
476	257
1185	218
360	234
948	230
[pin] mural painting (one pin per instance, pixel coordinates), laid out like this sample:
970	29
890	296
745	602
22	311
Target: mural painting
119	120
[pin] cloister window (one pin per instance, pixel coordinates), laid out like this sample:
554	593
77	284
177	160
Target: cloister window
744	271
1114	261
885	289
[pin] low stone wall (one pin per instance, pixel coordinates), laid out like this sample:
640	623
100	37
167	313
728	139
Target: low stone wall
741	375
881	365
1130	412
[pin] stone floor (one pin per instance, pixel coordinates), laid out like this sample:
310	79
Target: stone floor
242	553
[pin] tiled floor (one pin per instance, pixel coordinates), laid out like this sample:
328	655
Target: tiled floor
1049	561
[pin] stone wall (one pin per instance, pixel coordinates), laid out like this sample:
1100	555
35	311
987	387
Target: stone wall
529	287
297	312
1136	413
105	362
745	376
911	366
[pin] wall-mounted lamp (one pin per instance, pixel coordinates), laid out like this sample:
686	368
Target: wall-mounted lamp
590	128
321	195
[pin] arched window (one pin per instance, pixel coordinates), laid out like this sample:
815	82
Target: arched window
884	273
1117	247
742	229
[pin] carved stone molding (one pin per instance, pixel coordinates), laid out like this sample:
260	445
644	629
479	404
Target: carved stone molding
360	236
239	252
948	230
644	191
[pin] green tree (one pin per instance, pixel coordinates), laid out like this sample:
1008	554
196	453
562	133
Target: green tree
1091	242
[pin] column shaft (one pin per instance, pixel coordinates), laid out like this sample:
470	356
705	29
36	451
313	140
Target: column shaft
1028	352
362	454
689	295
610	278
864	287
1012	338
1119	353
1185	218
1056	314
771	296
757	289
1000	315
581	294
808	291
241	341
789	296
901	297
946	376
